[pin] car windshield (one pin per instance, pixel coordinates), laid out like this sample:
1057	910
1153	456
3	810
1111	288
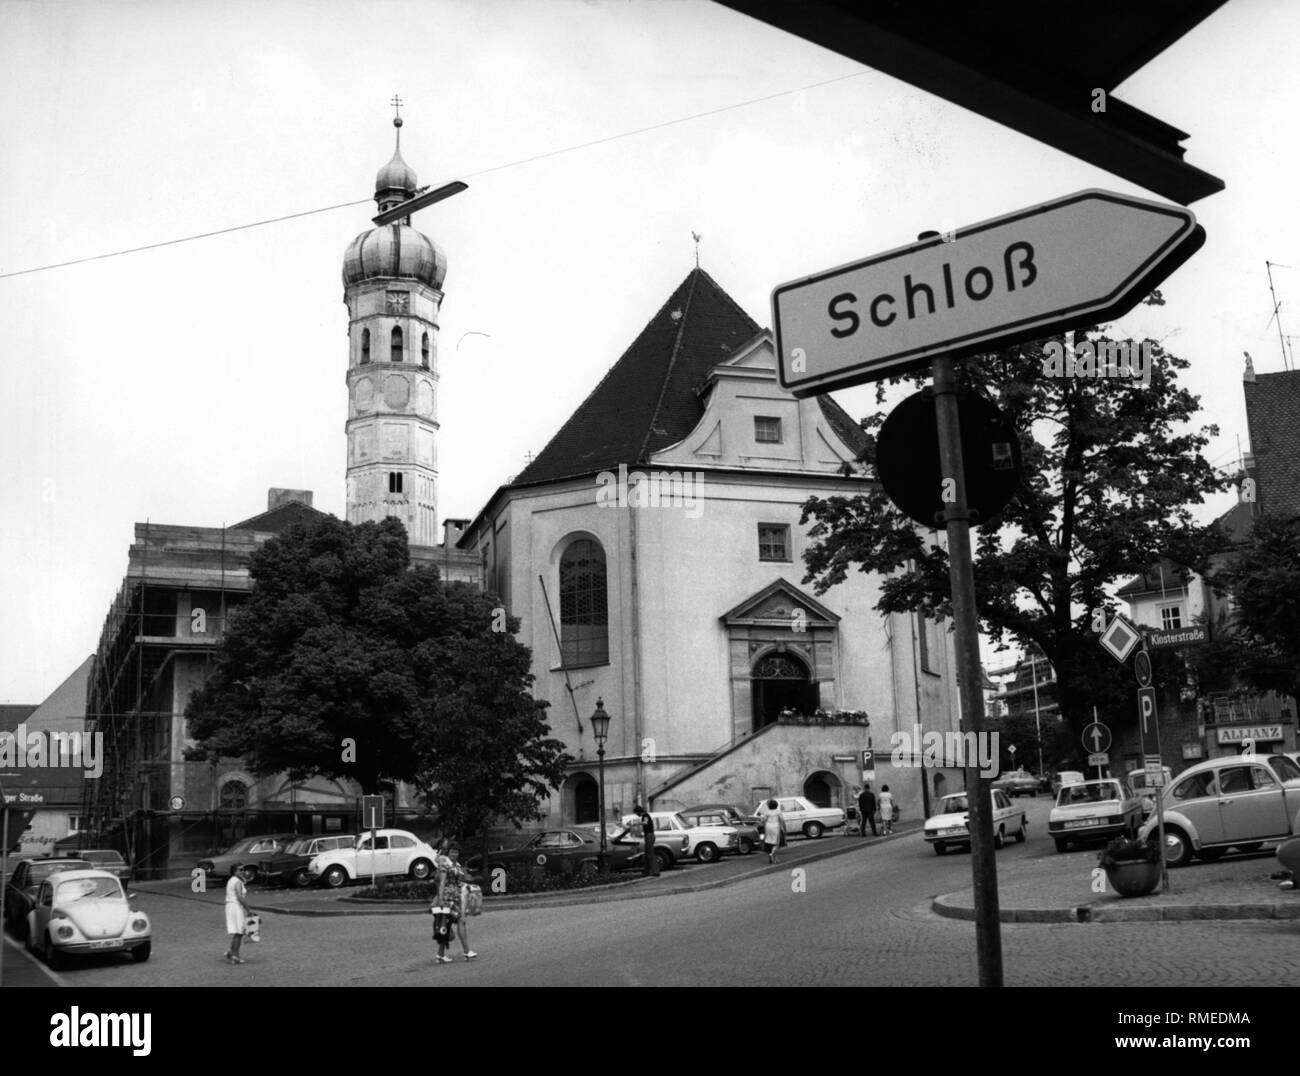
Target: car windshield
1089	793
953	804
83	889
1285	768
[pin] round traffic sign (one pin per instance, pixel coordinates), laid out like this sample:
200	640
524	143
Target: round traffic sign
1096	737
176	803
541	859
1142	668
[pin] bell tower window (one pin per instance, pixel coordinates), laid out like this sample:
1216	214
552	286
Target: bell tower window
365	345
394	481
397	344
424	351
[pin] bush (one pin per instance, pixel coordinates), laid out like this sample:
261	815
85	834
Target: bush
1128	850
519	879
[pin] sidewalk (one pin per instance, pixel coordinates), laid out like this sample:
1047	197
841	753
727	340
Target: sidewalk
689	878
23	970
1059	889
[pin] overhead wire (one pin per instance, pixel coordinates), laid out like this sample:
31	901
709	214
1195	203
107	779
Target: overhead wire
470	175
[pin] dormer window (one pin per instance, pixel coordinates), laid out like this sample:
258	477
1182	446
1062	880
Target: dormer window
767	430
397	344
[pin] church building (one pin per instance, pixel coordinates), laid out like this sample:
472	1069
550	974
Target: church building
654	553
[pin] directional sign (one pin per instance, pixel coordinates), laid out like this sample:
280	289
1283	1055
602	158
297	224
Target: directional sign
1069	263
1142	668
1096	738
1120	638
1099	758
372	812
1147	708
1174	637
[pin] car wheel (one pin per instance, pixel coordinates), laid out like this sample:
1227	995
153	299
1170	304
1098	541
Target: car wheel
1062	845
51	954
1178	848
1021	832
302	878
746	846
1000	837
813	830
706	852
940	848
1254	846
141	952
335	877
665	859
421	869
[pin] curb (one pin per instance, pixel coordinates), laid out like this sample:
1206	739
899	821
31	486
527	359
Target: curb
597	896
946	905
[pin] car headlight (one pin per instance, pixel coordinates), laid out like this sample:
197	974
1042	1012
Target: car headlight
140	924
64	933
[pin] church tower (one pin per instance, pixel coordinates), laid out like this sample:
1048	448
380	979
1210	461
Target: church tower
392	285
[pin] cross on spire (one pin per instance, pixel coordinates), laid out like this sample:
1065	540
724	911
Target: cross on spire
697	237
396	102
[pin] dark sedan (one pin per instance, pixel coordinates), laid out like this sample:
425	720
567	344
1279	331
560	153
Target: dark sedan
290	866
742	821
563	850
251	851
20	890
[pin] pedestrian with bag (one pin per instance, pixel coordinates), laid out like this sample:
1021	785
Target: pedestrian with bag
458	877
773	828
237	913
867	811
888	810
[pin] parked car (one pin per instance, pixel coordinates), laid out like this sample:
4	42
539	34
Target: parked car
1230	802
387	853
801	815
289	867
710	836
107	859
1063	778
86	911
681	840
743	822
1137	781
1089	810
560	850
25	882
251	851
950	823
1018	783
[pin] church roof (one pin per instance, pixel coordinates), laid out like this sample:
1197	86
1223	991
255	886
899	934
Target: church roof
280	518
650	398
1273	418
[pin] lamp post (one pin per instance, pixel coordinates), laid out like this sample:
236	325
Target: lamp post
600	729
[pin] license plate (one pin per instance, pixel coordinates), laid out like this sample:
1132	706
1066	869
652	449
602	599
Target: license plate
953	829
110	943
1083	822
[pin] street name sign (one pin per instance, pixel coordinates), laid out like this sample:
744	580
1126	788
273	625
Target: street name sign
1096	738
1120	637
1065	264
1169	638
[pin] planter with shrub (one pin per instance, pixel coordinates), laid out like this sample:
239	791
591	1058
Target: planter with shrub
1132	867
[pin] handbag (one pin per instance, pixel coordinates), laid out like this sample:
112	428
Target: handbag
253	927
473	900
896	813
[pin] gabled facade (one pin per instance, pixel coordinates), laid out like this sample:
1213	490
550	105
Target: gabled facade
654	554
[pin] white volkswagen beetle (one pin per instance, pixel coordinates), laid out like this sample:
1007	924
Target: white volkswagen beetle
86	911
950	823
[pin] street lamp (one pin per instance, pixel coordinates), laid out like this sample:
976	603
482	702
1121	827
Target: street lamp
600	729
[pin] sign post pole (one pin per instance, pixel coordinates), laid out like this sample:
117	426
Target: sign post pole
988	931
1149	723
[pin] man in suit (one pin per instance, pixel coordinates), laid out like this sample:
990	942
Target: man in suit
867	811
651	865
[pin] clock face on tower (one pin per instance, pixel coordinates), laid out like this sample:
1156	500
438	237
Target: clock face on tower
399	302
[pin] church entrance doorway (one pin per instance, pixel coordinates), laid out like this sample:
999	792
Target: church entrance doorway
586	799
823	789
781	682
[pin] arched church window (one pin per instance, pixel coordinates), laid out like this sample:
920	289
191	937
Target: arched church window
397	343
365	345
584	620
234	796
424	351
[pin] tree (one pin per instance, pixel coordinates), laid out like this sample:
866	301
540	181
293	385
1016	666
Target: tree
348	663
1260	642
1110	475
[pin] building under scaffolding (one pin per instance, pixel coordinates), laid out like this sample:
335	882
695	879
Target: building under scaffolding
155	650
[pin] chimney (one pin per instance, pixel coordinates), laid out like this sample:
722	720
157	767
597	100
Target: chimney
276	497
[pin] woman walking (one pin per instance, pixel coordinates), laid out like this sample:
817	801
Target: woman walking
237	913
773	828
886	810
449	910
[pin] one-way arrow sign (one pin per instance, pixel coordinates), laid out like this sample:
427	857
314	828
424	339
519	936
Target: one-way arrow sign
1065	264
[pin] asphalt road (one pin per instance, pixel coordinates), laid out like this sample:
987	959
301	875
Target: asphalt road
860	919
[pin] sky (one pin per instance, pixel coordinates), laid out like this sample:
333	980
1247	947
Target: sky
179	383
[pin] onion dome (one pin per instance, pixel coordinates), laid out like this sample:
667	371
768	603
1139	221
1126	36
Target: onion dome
394	250
395	181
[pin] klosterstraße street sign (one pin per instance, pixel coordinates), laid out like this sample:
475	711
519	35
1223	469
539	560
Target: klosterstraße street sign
1062	265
